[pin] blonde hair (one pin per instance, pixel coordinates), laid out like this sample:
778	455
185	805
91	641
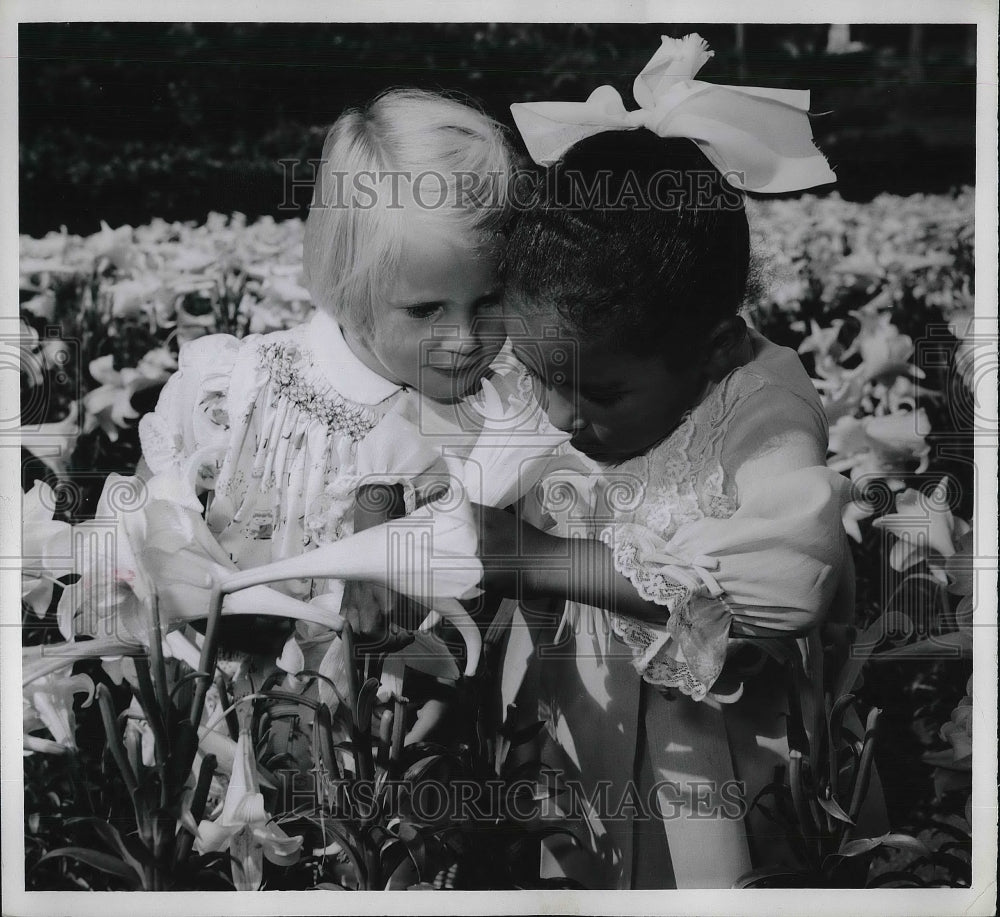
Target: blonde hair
360	215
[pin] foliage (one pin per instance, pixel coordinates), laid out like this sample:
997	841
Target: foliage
128	121
879	302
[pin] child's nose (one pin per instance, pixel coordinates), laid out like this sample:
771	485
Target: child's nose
460	338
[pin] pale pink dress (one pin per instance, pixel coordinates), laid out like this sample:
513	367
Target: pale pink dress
733	526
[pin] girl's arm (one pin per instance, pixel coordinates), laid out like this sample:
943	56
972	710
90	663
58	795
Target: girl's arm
772	567
523	562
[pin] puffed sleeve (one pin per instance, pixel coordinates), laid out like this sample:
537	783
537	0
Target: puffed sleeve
395	453
192	413
771	569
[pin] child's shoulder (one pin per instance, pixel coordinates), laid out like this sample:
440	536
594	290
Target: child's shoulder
216	353
777	373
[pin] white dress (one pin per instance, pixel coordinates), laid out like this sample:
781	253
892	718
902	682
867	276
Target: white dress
284	427
733	525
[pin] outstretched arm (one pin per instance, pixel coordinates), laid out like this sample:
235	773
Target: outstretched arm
773	565
523	562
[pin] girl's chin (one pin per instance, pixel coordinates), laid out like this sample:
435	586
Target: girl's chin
605	454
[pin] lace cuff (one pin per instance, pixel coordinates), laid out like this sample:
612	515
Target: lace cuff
689	651
639	557
687	654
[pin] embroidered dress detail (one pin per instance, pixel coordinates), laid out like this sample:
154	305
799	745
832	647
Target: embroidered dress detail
282	360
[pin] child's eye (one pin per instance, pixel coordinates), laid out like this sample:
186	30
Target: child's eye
487	302
604	401
425	311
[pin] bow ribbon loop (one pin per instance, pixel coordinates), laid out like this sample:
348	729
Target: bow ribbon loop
759	139
693	573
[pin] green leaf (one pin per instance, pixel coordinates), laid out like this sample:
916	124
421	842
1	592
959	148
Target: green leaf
527	770
98	860
366	704
419	769
896	878
412	836
864	645
769	877
861	846
958	642
958	831
402	874
418	750
905	842
111	836
956	866
832	807
350	848
865	845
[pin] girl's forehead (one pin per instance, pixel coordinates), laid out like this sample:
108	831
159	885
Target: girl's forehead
552	349
438	261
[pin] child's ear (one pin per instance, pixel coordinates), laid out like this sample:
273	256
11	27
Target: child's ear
726	344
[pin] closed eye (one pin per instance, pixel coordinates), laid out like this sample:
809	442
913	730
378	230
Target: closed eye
490	301
424	310
603	399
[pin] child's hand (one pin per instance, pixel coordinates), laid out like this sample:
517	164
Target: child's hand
365	607
376	612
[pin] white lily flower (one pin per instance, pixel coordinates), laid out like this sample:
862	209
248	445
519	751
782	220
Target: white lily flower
48	704
46	548
963	327
291	661
244	828
137	723
150	540
128	297
852	515
53	443
43	305
114	244
925	528
885	352
109	406
882	446
512	452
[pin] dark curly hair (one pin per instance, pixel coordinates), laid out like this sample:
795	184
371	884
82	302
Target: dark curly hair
635	240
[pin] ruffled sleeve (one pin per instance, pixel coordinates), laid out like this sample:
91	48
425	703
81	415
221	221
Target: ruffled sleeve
395	453
770	569
192	413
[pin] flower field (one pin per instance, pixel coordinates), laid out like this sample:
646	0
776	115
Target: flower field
158	757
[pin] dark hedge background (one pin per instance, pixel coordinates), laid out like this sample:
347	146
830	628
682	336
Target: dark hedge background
123	122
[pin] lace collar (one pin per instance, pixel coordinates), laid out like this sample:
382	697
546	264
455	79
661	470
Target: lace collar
335	363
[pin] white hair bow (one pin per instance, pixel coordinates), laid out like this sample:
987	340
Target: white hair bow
759	139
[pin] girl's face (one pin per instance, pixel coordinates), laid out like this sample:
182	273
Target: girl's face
440	326
615	404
